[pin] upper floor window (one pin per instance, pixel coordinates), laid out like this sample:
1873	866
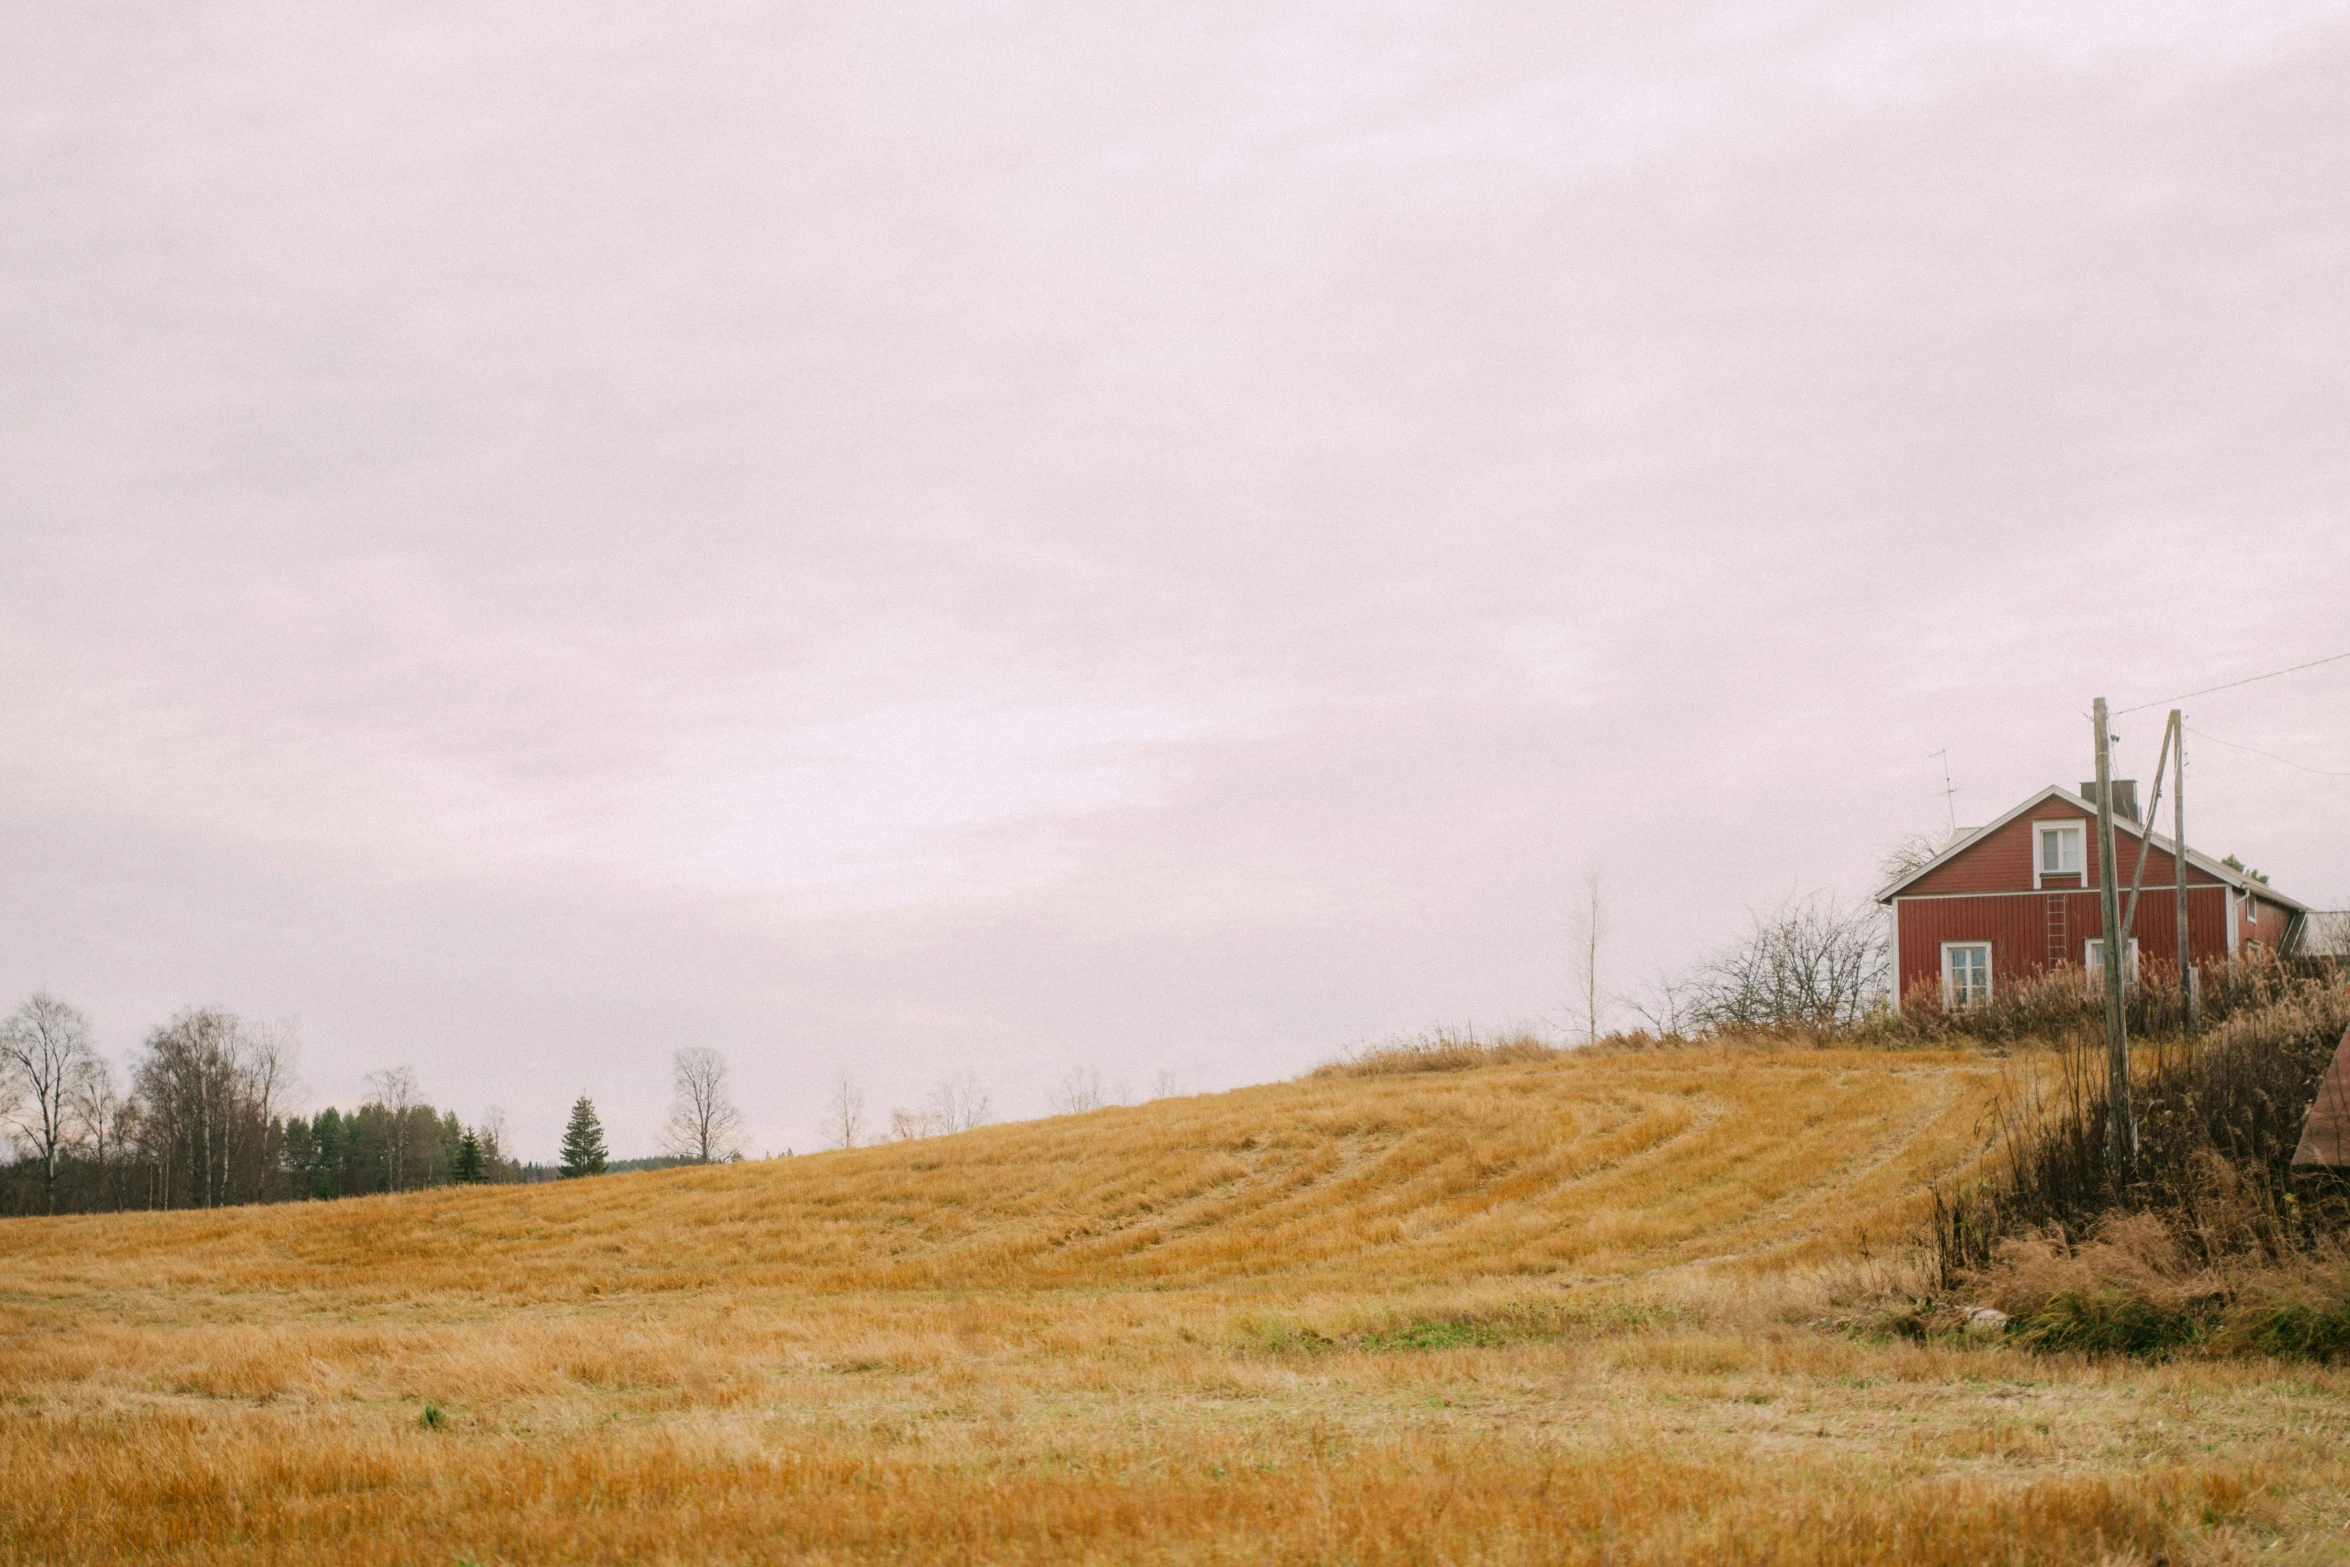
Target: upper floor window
2063	848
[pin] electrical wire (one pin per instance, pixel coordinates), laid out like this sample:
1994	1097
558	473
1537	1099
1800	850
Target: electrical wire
2331	658
2321	772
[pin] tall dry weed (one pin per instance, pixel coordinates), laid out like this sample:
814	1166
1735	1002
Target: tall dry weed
2209	1211
1438	1050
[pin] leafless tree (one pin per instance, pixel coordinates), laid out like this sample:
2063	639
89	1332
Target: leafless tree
959	1103
493	1137
396	1090
1908	854
704	1125
2329	933
100	1115
1590	931
1666	1005
206	1088
269	1051
47	1068
907	1125
1814	962
106	1125
1076	1091
844	1120
1167	1085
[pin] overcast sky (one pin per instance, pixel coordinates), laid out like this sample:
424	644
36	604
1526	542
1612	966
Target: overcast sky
903	538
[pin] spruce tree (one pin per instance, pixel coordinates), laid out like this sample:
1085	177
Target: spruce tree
583	1142
467	1165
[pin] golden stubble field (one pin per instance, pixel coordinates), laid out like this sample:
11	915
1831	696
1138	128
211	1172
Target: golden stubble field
1587	1310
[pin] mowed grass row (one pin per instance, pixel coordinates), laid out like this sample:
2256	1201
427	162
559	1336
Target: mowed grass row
1561	1311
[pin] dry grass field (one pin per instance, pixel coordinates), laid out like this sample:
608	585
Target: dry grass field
1583	1310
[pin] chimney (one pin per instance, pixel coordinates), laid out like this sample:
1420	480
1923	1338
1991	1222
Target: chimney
2125	796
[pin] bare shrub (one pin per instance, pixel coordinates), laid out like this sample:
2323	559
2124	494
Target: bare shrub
1813	963
907	1125
1667	1005
957	1103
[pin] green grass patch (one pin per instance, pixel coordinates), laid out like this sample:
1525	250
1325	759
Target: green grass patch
2113	1322
2295	1330
1484	1327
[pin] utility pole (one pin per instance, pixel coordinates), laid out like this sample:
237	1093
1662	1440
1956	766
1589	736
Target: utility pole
2178	843
2120	1126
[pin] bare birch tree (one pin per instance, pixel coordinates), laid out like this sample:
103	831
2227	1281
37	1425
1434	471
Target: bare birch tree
206	1088
1076	1091
395	1089
959	1103
1590	931
844	1117
491	1133
704	1125
47	1068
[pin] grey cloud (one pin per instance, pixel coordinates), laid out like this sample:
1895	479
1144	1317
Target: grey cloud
972	535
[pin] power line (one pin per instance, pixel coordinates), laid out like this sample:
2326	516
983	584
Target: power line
2321	772
2331	658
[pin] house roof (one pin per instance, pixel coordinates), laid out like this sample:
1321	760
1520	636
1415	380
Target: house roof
2240	880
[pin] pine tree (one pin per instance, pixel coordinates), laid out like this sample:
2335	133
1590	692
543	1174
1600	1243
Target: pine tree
583	1142
466	1167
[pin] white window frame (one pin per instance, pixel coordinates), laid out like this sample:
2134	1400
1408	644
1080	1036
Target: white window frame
2070	827
1949	998
2093	961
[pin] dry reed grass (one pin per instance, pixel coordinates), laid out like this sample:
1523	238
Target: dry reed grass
1549	1311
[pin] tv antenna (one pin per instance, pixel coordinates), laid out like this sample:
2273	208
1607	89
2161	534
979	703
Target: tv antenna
1949	793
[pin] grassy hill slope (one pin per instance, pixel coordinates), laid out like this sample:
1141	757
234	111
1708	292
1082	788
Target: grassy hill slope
1577	1168
1553	1311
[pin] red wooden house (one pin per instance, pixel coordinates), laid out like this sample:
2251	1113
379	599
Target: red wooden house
2021	895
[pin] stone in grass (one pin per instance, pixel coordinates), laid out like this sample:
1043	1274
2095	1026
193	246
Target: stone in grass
1986	1322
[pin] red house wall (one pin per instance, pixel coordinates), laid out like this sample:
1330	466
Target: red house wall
2018	928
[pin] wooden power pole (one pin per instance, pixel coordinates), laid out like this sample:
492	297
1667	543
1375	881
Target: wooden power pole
2178	844
2120	1125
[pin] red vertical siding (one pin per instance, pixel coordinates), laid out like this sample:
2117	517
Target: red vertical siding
2030	931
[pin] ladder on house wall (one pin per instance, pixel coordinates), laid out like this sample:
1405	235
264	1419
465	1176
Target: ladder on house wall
2058	947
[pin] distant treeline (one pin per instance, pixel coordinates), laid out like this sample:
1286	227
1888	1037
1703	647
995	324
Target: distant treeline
202	1125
